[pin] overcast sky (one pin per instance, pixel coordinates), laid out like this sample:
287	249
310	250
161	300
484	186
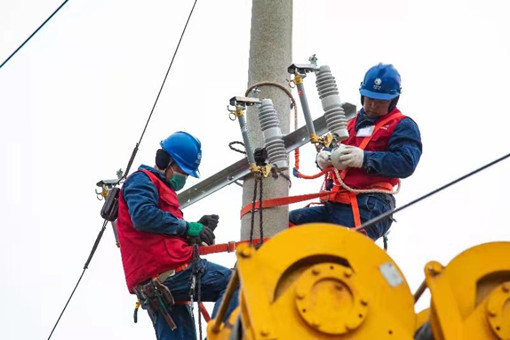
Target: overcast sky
74	101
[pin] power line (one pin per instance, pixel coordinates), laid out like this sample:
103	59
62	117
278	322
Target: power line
99	236
31	35
135	150
94	247
433	192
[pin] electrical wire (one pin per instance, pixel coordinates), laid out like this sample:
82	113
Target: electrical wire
135	150
31	35
98	239
94	247
391	212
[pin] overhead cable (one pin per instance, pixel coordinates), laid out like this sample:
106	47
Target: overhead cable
31	35
94	247
99	236
135	150
391	212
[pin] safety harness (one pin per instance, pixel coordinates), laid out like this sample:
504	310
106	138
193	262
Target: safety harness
340	192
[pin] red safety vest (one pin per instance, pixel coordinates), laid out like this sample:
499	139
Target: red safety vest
357	178
144	254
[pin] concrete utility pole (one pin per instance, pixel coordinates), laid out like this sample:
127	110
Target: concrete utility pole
270	55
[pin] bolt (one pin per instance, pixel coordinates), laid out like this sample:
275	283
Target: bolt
264	332
315	323
492	313
433	270
316	271
300	294
364	302
349	327
348	272
338	286
506	287
246	252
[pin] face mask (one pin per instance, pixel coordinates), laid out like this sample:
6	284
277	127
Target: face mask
178	181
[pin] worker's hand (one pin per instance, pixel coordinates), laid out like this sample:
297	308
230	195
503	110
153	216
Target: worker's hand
210	221
199	233
351	156
206	236
323	159
335	155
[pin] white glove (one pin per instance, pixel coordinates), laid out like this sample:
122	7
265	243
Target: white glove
323	159
335	155
351	156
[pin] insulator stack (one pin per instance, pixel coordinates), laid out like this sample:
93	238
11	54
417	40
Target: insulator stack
270	126
333	111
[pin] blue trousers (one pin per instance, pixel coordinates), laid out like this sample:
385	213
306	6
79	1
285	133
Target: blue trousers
370	206
214	281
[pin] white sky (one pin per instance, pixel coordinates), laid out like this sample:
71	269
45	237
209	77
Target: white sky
74	101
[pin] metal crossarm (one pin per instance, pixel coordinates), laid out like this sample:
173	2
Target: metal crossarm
241	168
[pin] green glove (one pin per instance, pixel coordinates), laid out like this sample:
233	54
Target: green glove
194	228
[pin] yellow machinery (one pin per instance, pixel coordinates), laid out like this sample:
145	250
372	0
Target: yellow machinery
318	281
322	281
470	297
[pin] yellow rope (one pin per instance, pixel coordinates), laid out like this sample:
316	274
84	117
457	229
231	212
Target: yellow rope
364	191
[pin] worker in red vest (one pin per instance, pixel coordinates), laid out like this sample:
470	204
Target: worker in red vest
155	239
383	146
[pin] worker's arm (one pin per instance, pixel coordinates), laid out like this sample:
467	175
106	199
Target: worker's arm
402	156
142	198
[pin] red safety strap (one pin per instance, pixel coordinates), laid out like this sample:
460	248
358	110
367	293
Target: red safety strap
277	201
227	247
364	143
355	210
367	139
204	312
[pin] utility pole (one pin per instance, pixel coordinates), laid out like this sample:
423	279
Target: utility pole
270	55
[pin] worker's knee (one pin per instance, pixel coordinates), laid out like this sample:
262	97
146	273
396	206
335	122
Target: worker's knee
308	215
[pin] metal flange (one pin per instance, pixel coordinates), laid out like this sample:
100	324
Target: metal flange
498	311
328	298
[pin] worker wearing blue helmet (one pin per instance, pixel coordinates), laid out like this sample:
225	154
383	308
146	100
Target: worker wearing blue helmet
383	146
156	242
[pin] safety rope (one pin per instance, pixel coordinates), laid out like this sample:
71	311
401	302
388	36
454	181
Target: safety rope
261	228
317	175
133	154
252	221
196	286
34	33
364	191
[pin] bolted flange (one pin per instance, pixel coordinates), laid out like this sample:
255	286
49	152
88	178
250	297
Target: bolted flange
327	297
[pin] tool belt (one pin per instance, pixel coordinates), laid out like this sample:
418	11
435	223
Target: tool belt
158	298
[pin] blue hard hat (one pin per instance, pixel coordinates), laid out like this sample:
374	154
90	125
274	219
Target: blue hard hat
185	150
382	82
